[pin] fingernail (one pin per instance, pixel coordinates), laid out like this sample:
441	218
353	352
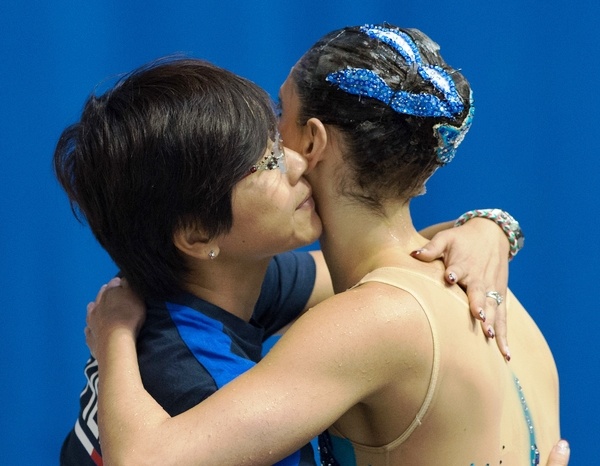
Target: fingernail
482	315
490	332
417	252
452	277
507	355
563	446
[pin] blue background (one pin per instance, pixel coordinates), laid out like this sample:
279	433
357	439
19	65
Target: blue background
533	150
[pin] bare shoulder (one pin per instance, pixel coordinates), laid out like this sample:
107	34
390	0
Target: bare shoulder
374	320
356	344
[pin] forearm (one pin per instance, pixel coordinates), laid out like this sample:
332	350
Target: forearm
135	430
238	425
125	422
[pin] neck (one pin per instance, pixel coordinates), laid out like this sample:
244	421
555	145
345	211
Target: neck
357	240
233	286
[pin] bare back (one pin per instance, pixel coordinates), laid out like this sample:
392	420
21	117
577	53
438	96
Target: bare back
456	401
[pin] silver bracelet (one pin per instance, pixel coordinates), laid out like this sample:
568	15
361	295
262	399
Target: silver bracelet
504	220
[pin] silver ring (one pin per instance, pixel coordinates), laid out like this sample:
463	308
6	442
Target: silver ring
495	296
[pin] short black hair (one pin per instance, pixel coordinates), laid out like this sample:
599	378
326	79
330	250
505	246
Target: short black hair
161	150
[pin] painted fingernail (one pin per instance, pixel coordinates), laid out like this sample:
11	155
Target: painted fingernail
490	332
417	252
482	315
507	355
452	277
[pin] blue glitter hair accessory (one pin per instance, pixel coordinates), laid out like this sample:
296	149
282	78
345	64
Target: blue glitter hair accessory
436	75
365	82
361	81
449	137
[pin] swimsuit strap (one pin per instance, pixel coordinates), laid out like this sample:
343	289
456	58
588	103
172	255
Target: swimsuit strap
390	276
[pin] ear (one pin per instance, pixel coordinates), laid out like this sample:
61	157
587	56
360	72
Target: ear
193	242
316	142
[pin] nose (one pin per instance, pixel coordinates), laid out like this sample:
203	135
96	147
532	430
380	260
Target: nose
296	165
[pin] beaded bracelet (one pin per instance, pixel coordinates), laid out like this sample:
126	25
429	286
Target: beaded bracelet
504	220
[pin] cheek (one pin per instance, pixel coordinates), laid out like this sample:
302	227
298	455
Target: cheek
260	212
291	134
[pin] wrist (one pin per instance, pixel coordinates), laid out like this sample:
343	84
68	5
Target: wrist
114	341
504	220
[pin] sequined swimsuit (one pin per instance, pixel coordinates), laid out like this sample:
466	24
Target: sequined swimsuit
534	453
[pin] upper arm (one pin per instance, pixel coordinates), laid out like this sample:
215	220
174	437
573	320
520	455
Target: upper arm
294	281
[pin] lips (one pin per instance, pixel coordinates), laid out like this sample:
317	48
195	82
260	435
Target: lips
308	201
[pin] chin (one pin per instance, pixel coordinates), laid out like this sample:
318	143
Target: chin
317	229
310	238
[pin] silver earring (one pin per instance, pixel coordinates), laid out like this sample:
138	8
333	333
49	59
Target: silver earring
212	254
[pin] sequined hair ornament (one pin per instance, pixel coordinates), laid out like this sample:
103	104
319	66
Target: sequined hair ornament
364	82
449	137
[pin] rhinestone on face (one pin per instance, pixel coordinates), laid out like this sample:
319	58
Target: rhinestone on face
275	159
